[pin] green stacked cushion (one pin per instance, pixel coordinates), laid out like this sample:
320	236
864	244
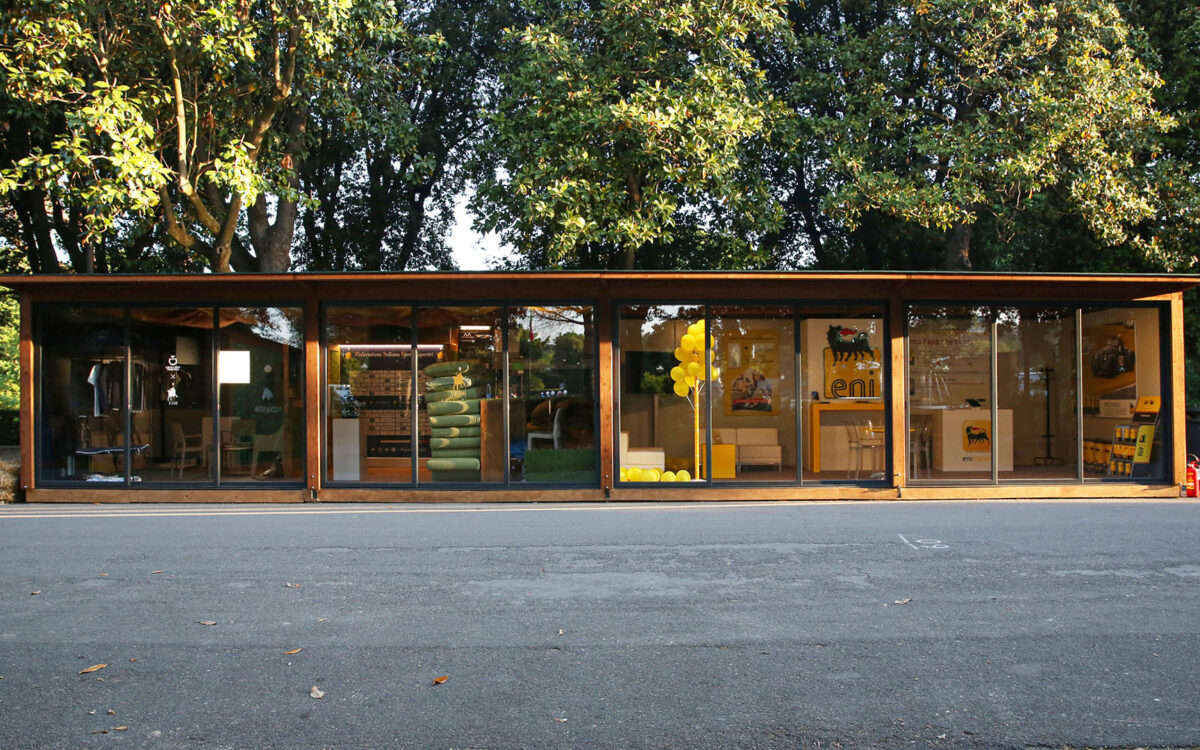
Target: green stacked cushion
454	432
443	408
455	463
447	384
439	443
442	369
455	420
458	395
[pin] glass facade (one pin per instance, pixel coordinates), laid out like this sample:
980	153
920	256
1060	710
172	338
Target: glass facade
128	396
704	393
438	373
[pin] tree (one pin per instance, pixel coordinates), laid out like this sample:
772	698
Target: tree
623	119
386	194
957	109
186	119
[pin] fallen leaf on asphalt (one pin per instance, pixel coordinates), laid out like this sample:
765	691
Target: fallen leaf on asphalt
91	713
112	713
100	731
902	601
316	692
440	680
290	585
133	659
121	728
294	651
156	572
561	721
207	622
102	575
560	631
322	619
93	668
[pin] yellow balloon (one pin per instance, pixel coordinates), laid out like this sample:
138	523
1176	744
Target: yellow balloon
694	369
683	476
635	474
624	475
689	381
667	476
697	328
716	373
680	388
677	373
681	355
687	343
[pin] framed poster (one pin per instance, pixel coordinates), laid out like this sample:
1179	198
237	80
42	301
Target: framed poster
853	367
750	378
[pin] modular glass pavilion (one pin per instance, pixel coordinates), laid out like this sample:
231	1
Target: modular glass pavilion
600	385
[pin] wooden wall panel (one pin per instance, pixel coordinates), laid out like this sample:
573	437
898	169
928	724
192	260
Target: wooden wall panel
898	393
28	433
313	393
1178	468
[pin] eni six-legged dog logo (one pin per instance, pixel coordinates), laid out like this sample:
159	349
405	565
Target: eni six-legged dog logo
976	436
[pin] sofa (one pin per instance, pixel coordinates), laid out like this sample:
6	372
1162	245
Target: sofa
642	458
754	446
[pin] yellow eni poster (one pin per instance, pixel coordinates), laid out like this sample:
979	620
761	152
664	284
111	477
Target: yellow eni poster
976	436
852	366
750	377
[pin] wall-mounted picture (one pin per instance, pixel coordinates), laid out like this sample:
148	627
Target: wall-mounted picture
852	365
750	378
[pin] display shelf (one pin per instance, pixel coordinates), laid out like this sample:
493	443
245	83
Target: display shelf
1133	442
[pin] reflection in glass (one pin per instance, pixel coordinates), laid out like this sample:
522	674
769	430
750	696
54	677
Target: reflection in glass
553	403
664	392
369	395
172	394
1036	384
843	378
1121	364
82	395
950	420
460	381
754	394
261	424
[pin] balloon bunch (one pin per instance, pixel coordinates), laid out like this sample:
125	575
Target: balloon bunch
689	375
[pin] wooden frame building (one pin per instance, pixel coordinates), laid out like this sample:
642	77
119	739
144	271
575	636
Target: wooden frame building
592	386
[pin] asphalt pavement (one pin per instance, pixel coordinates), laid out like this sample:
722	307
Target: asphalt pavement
796	625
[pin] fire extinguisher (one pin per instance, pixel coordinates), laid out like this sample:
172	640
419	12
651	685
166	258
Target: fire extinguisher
1193	476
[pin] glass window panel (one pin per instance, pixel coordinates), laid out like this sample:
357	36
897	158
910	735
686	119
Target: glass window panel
950	430
843	378
552	380
754	394
172	394
82	396
663	418
369	394
261	383
460	380
1036	393
1122	363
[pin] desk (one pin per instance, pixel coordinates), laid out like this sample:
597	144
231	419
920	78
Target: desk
953	451
816	410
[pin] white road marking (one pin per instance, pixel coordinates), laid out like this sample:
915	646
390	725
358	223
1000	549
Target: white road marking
910	544
925	543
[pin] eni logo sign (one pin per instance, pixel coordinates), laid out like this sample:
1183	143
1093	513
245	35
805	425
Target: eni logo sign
853	368
977	436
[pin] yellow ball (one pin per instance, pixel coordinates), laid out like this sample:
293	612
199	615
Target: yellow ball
635	474
651	475
683	476
681	389
624	475
667	476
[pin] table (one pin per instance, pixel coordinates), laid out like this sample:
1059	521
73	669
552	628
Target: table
955	450
816	413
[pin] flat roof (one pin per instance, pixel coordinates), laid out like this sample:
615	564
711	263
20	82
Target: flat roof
657	285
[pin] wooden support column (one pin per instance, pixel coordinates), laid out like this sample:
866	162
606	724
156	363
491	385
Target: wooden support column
898	392
28	434
312	392
604	330
1178	394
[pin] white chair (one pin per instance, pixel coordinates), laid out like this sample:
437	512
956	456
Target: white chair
555	435
185	445
864	438
269	443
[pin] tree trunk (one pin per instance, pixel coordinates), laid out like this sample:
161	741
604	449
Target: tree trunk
958	247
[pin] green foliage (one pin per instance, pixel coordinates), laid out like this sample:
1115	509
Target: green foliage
192	114
623	116
10	352
955	109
